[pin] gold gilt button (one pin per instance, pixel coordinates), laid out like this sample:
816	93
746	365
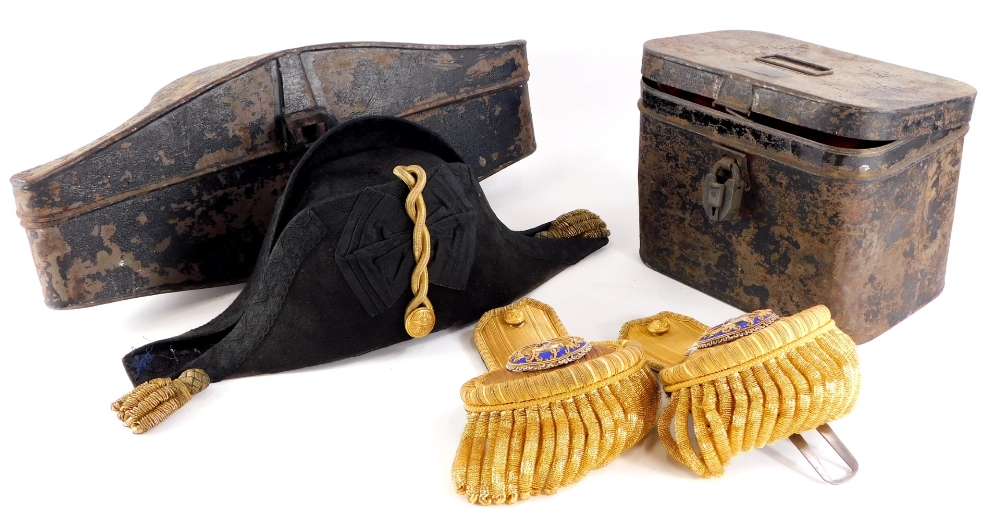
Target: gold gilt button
514	317
420	322
658	327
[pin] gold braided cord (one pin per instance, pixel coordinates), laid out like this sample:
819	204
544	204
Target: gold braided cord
578	223
777	383
151	402
419	318
507	455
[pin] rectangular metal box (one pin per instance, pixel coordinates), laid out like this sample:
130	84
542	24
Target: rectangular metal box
180	196
774	173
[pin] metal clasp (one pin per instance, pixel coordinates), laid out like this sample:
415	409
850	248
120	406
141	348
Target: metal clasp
837	445
722	190
302	128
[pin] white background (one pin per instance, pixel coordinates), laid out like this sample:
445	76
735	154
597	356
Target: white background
376	435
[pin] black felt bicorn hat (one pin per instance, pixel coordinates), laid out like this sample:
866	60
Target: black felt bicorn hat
335	276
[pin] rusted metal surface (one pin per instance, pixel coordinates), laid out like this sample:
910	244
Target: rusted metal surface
180	196
808	85
864	231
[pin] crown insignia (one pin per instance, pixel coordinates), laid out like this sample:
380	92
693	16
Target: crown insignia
734	328
548	354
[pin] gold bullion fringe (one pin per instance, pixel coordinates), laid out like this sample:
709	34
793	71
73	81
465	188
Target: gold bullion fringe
419	318
150	403
578	223
799	388
508	455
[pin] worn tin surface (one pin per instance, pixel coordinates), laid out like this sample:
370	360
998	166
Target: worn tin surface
808	85
862	228
180	196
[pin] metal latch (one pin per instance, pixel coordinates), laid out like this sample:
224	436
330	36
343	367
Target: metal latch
301	119
722	190
302	128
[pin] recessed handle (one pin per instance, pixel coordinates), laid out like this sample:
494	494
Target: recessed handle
795	64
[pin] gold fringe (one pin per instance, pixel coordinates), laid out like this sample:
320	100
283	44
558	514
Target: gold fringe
578	223
460	469
546	450
529	453
514	454
151	402
512	451
498	481
476	459
592	435
757	390
571	442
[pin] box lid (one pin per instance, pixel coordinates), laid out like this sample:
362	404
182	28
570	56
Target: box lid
808	85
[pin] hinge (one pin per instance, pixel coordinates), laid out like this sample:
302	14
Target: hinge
735	95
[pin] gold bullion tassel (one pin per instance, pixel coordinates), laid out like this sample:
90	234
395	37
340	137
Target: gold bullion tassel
420	318
578	223
755	380
150	403
549	415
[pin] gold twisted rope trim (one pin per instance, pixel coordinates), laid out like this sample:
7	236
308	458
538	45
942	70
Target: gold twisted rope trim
420	318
